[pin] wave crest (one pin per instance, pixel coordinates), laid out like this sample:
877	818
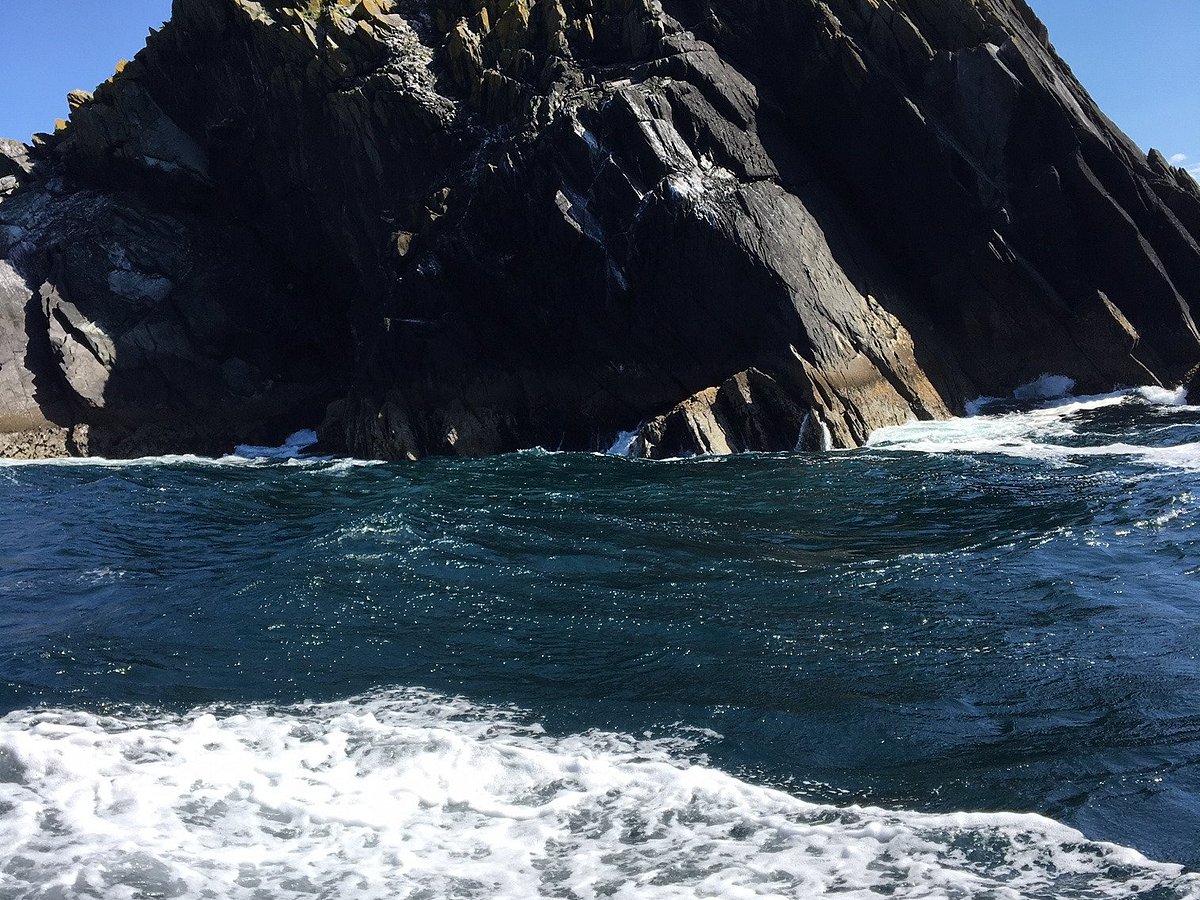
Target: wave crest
410	794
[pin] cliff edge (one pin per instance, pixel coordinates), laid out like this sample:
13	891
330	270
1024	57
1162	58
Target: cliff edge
472	226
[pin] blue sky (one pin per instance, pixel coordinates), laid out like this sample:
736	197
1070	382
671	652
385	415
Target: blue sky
50	47
1139	58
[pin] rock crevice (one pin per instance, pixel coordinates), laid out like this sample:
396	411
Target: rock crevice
471	226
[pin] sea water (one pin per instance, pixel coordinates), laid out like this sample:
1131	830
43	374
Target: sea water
960	662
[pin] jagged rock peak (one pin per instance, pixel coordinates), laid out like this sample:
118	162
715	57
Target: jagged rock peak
470	226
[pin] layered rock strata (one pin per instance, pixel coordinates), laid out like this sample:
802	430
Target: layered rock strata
471	226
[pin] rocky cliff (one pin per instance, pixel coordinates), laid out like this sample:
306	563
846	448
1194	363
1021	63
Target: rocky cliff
471	226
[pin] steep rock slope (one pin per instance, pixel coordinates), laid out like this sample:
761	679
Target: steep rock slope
470	226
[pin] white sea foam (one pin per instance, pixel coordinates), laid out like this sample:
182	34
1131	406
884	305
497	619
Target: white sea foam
290	453
406	794
323	464
293	447
1047	387
623	445
1037	433
169	459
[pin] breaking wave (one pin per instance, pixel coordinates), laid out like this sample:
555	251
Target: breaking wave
1056	429
406	793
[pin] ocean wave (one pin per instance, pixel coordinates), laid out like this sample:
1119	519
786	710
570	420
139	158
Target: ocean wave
411	794
293	446
1039	432
289	453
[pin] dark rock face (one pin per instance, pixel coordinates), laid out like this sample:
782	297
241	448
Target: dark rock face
471	226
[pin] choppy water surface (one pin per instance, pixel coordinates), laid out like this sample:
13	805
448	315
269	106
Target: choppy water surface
961	662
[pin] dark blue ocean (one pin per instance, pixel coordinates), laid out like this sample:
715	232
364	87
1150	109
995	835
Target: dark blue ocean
961	662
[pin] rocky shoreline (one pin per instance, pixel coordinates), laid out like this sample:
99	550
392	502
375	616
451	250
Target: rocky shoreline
471	226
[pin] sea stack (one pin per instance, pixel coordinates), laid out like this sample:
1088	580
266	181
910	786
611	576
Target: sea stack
472	226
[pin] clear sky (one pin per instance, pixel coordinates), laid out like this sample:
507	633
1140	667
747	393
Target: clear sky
1139	58
50	47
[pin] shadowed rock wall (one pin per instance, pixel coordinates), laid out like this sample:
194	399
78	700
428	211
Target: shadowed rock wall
471	226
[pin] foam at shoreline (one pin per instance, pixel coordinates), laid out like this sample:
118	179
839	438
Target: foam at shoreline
1039	432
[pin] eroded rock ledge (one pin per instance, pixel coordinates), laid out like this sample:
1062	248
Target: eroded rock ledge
472	226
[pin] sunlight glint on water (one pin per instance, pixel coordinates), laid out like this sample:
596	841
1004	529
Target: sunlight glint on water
686	679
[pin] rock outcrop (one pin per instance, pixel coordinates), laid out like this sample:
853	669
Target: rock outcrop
471	226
